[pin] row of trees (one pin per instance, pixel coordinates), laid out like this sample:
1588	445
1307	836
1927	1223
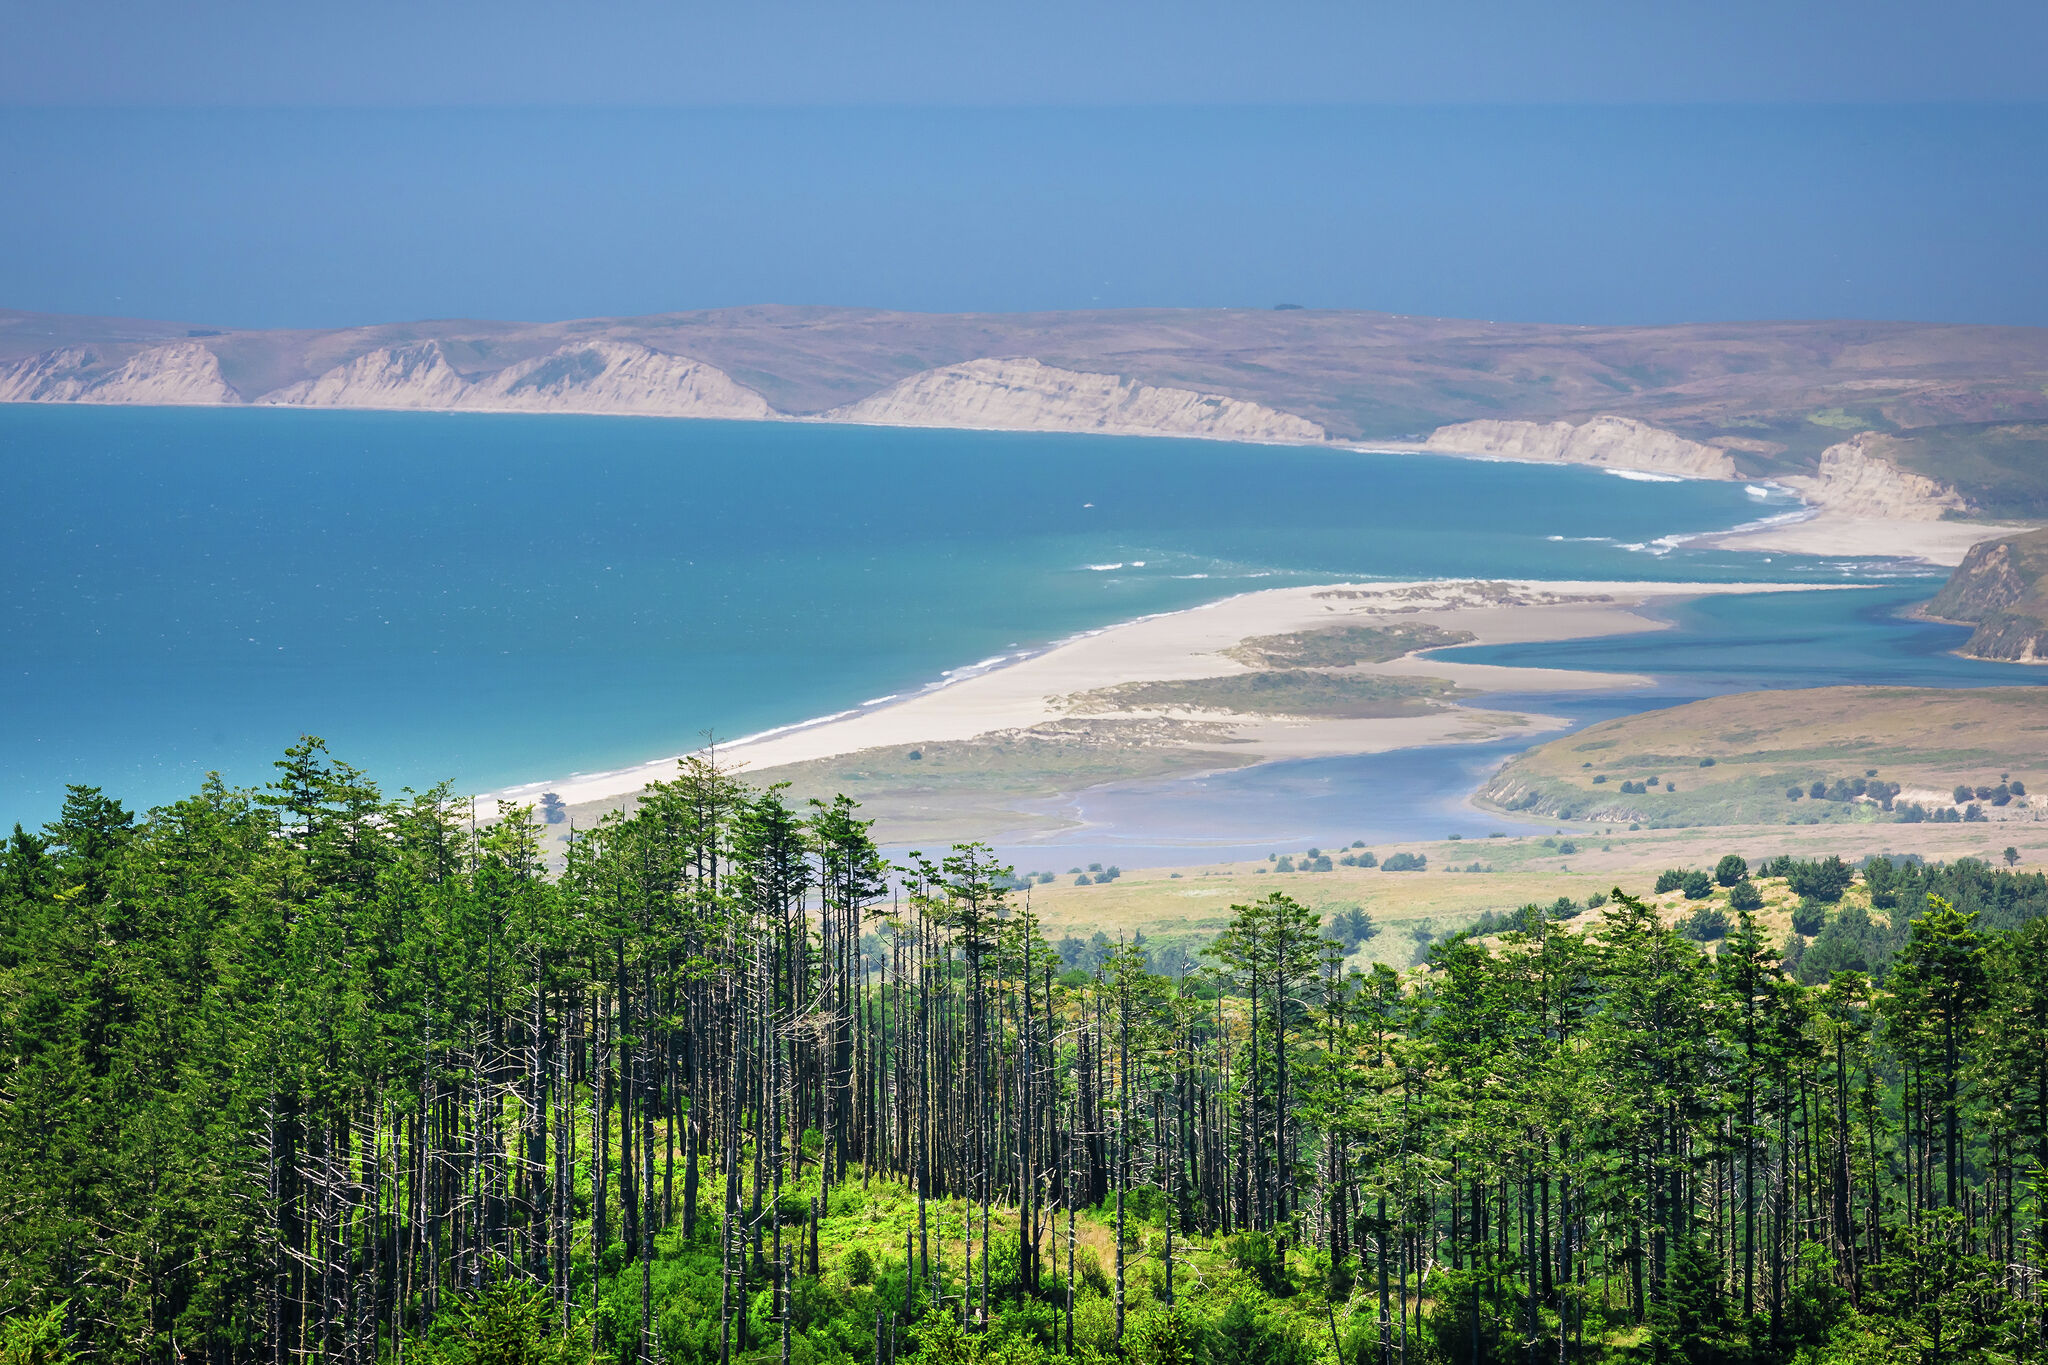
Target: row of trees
305	1073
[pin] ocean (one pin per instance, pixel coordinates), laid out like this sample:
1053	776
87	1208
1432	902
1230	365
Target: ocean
495	599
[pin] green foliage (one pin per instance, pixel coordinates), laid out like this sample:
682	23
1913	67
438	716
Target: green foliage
1824	880
1168	1335
1255	1254
1352	927
1731	869
37	1338
1465	1319
1705	924
1285	692
509	1323
1249	1332
1808	917
1690	1321
171	987
1929	1298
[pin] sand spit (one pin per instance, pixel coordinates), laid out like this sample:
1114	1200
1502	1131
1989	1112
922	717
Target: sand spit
1037	689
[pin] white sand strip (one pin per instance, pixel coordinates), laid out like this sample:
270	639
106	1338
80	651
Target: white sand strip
1188	644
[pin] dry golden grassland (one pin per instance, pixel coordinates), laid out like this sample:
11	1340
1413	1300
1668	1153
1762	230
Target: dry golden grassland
1190	904
1731	760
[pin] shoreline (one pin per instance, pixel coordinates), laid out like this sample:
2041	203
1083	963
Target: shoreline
1031	691
1815	529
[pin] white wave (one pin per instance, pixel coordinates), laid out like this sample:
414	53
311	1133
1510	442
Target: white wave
1582	540
1800	513
1191	575
1642	476
1137	563
1102	568
759	735
1756	492
969	670
877	701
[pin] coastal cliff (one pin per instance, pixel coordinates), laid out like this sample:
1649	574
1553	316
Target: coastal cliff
1238	375
617	376
2001	588
1027	395
1856	480
598	377
415	376
1609	442
180	373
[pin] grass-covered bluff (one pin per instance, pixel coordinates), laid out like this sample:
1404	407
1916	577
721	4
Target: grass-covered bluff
1811	756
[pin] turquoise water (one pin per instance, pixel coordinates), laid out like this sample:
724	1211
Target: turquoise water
496	599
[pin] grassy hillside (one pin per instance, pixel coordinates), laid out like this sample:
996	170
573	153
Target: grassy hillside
2001	467
2001	587
1736	759
1462	879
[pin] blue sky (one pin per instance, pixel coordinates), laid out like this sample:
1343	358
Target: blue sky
277	165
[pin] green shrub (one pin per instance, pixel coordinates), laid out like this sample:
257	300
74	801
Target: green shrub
1697	886
1808	917
859	1265
1163	1336
1095	1326
37	1339
1744	896
1255	1254
1250	1332
509	1323
1464	1310
1088	1265
1824	880
1670	879
1731	869
1704	925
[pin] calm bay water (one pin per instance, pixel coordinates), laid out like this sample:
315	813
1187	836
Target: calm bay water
495	599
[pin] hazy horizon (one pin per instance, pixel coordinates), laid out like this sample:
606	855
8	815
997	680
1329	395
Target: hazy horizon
1586	214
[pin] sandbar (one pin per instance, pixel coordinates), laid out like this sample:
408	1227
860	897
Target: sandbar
1034	691
1833	534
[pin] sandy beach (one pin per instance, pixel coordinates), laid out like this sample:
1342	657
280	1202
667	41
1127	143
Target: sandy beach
1830	533
1032	692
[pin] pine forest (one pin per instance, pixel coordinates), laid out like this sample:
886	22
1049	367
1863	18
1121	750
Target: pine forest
310	1074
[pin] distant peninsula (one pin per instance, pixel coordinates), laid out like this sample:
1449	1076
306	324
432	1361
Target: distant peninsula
1897	435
